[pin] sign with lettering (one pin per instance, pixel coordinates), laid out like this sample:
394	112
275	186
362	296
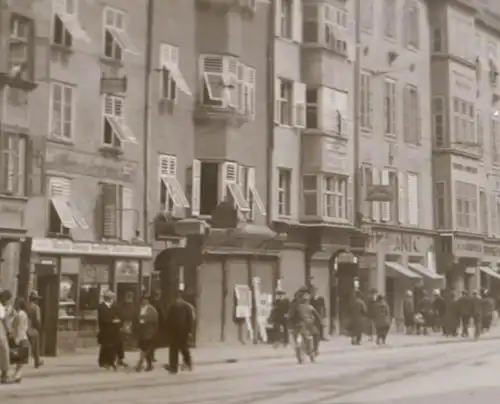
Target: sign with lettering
397	242
491	250
94	165
68	247
126	271
91	273
468	248
12	213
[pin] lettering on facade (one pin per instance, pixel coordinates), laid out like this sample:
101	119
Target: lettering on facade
467	247
399	242
492	250
467	169
88	164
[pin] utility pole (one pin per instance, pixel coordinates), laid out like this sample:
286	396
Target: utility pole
271	12
357	208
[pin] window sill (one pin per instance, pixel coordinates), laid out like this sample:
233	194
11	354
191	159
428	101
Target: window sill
59	236
12	197
63	49
17	82
326	48
118	64
207	113
111	151
60	140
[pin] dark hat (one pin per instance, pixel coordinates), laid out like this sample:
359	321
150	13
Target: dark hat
34	295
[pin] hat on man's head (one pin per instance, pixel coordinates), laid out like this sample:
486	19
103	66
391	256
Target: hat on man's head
109	294
34	295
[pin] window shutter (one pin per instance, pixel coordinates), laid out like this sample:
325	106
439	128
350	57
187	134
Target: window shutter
299	105
248	192
297	21
385	207
164	55
375	205
110	208
328	110
277	17
196	188
350	203
36	152
59	187
413	202
118	110
494	218
167	165
228	174
406	114
277	104
402	202
251	85
231	80
128	214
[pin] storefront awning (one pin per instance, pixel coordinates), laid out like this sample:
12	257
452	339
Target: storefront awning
397	270
424	271
490	272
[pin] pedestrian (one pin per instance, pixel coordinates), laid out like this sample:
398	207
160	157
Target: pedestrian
318	303
382	319
488	307
157	304
438	311
5	297
35	327
425	309
477	313
19	343
357	318
109	322
179	325
370	314
279	320
465	311
145	330
409	312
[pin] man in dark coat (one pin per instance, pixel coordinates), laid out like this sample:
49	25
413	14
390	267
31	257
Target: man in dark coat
357	318
488	307
279	319
157	304
145	330
318	302
179	324
438	310
35	327
451	317
465	310
425	309
409	312
477	313
109	322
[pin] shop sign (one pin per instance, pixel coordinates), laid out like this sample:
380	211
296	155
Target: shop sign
468	248
54	246
127	271
400	242
92	274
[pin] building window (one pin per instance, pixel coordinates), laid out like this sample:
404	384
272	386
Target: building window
390	210
463	122
62	111
412	25
327	110
465	206
334	197
66	25
390	18
286	19
112	198
367	15
483	209
367	181
366	101
325	25
480	131
171	78
13	163
437	40
247	82
63	213
310	195
413	194
285	102
115	131
312	108
411	106
438	121
440	198
21	47
172	197
390	107
116	40
495	140
284	192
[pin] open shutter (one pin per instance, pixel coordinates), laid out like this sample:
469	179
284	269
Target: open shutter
350	203
196	188
412	192
375	205
277	104
494	218
277	17
385	207
297	21
248	192
228	174
402	198
231	80
328	112
36	155
299	105
110	206
406	114
128	214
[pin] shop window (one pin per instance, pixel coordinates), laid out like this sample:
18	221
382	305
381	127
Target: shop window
68	288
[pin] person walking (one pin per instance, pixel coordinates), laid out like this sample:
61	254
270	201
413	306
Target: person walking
279	319
5	297
487	309
465	311
145	330
35	327
179	325
19	338
156	302
477	313
382	319
409	312
357	318
438	311
109	322
425	309
370	314
318	302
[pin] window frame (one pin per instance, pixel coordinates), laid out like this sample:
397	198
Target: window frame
366	95
412	108
21	170
466	206
286	19
439	125
283	192
390	19
412	26
390	107
64	105
25	64
285	100
118	211
62	230
495	139
312	193
440	198
336	198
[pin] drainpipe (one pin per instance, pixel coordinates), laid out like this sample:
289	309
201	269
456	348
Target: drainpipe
270	112
146	130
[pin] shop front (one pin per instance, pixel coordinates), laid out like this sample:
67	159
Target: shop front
403	261
72	277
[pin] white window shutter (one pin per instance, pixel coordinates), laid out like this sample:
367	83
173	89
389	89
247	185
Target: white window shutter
385	207
299	105
328	112
228	174
128	214
402	202
277	17
494	219
167	165
375	205
164	55
241	177
59	187
350	203
297	21
247	192
277	104
196	188
413	202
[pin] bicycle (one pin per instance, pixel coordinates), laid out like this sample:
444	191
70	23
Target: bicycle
304	346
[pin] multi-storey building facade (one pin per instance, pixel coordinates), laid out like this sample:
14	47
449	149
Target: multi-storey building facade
465	39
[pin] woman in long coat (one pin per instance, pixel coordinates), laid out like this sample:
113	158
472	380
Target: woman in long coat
145	330
357	318
5	297
382	319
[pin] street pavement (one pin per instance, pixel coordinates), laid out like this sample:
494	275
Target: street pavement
434	372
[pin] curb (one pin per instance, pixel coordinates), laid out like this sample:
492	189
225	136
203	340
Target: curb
84	370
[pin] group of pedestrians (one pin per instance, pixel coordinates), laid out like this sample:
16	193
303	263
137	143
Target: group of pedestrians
150	326
20	326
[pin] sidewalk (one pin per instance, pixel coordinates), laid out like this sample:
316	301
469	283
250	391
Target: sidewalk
85	362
